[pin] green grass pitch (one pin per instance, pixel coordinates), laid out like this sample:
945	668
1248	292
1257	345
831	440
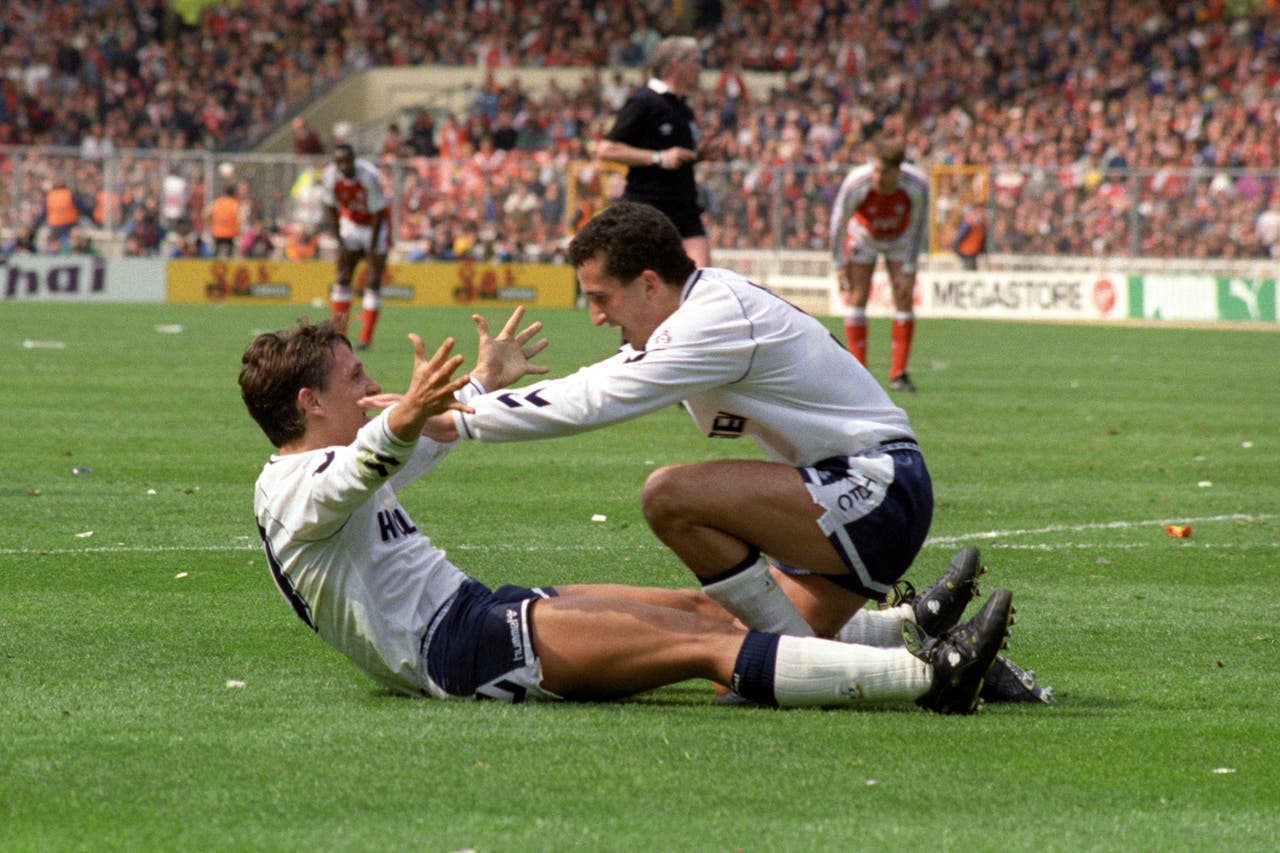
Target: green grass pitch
156	693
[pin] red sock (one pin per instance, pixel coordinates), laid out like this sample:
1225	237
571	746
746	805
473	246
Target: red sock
368	319
900	352
340	312
373	304
340	305
855	335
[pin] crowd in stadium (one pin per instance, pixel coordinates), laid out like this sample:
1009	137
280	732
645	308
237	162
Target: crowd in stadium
1060	92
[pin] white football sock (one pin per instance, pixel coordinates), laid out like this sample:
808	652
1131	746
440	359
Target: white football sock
754	597
876	627
814	672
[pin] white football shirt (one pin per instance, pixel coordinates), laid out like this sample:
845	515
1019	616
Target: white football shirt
359	198
347	556
896	219
743	360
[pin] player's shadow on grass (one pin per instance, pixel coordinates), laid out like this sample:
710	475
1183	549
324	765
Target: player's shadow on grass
694	694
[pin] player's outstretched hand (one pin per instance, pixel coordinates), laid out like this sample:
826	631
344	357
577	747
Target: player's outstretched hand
504	359
430	391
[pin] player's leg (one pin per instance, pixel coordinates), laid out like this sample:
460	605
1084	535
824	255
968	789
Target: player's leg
688	600
603	648
340	295
857	281
719	516
699	249
904	324
693	234
845	530
371	302
599	641
598	648
935	610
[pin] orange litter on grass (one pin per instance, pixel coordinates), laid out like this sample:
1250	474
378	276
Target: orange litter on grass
1178	531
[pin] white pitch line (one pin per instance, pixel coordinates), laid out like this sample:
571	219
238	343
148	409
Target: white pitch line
939	541
1101	525
126	549
257	548
1125	546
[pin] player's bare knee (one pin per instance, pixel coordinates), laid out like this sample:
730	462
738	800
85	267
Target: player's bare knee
663	498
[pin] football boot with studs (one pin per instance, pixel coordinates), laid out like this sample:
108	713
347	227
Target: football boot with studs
943	602
961	655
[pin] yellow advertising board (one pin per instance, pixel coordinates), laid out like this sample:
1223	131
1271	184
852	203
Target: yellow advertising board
270	282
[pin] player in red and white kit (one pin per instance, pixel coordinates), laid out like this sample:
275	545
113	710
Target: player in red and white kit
881	209
357	211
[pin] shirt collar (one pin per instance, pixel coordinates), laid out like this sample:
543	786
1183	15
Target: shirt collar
658	86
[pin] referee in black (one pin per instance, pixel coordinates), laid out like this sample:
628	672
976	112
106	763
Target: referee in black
656	136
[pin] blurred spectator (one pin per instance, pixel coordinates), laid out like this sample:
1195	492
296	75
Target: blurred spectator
301	243
62	211
394	144
225	222
96	143
1267	226
305	140
174	193
187	243
422	135
306	198
971	238
504	132
21	244
256	240
77	243
143	233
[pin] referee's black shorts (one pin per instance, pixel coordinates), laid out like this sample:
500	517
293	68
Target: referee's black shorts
687	216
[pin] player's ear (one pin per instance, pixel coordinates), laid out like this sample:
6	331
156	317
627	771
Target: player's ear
309	401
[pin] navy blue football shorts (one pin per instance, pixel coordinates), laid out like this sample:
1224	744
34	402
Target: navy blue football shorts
879	505
479	646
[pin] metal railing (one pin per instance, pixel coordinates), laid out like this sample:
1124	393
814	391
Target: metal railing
522	205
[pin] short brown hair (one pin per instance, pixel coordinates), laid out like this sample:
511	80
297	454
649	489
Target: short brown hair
633	237
891	152
277	365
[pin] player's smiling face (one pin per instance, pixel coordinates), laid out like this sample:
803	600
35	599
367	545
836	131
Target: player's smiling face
636	307
345	385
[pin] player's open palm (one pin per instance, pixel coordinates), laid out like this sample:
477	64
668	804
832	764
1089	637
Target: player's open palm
431	389
504	359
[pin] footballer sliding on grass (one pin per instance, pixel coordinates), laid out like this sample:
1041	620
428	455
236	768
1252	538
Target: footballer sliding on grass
357	570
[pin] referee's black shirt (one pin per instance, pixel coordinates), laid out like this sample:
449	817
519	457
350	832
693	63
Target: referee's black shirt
656	122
